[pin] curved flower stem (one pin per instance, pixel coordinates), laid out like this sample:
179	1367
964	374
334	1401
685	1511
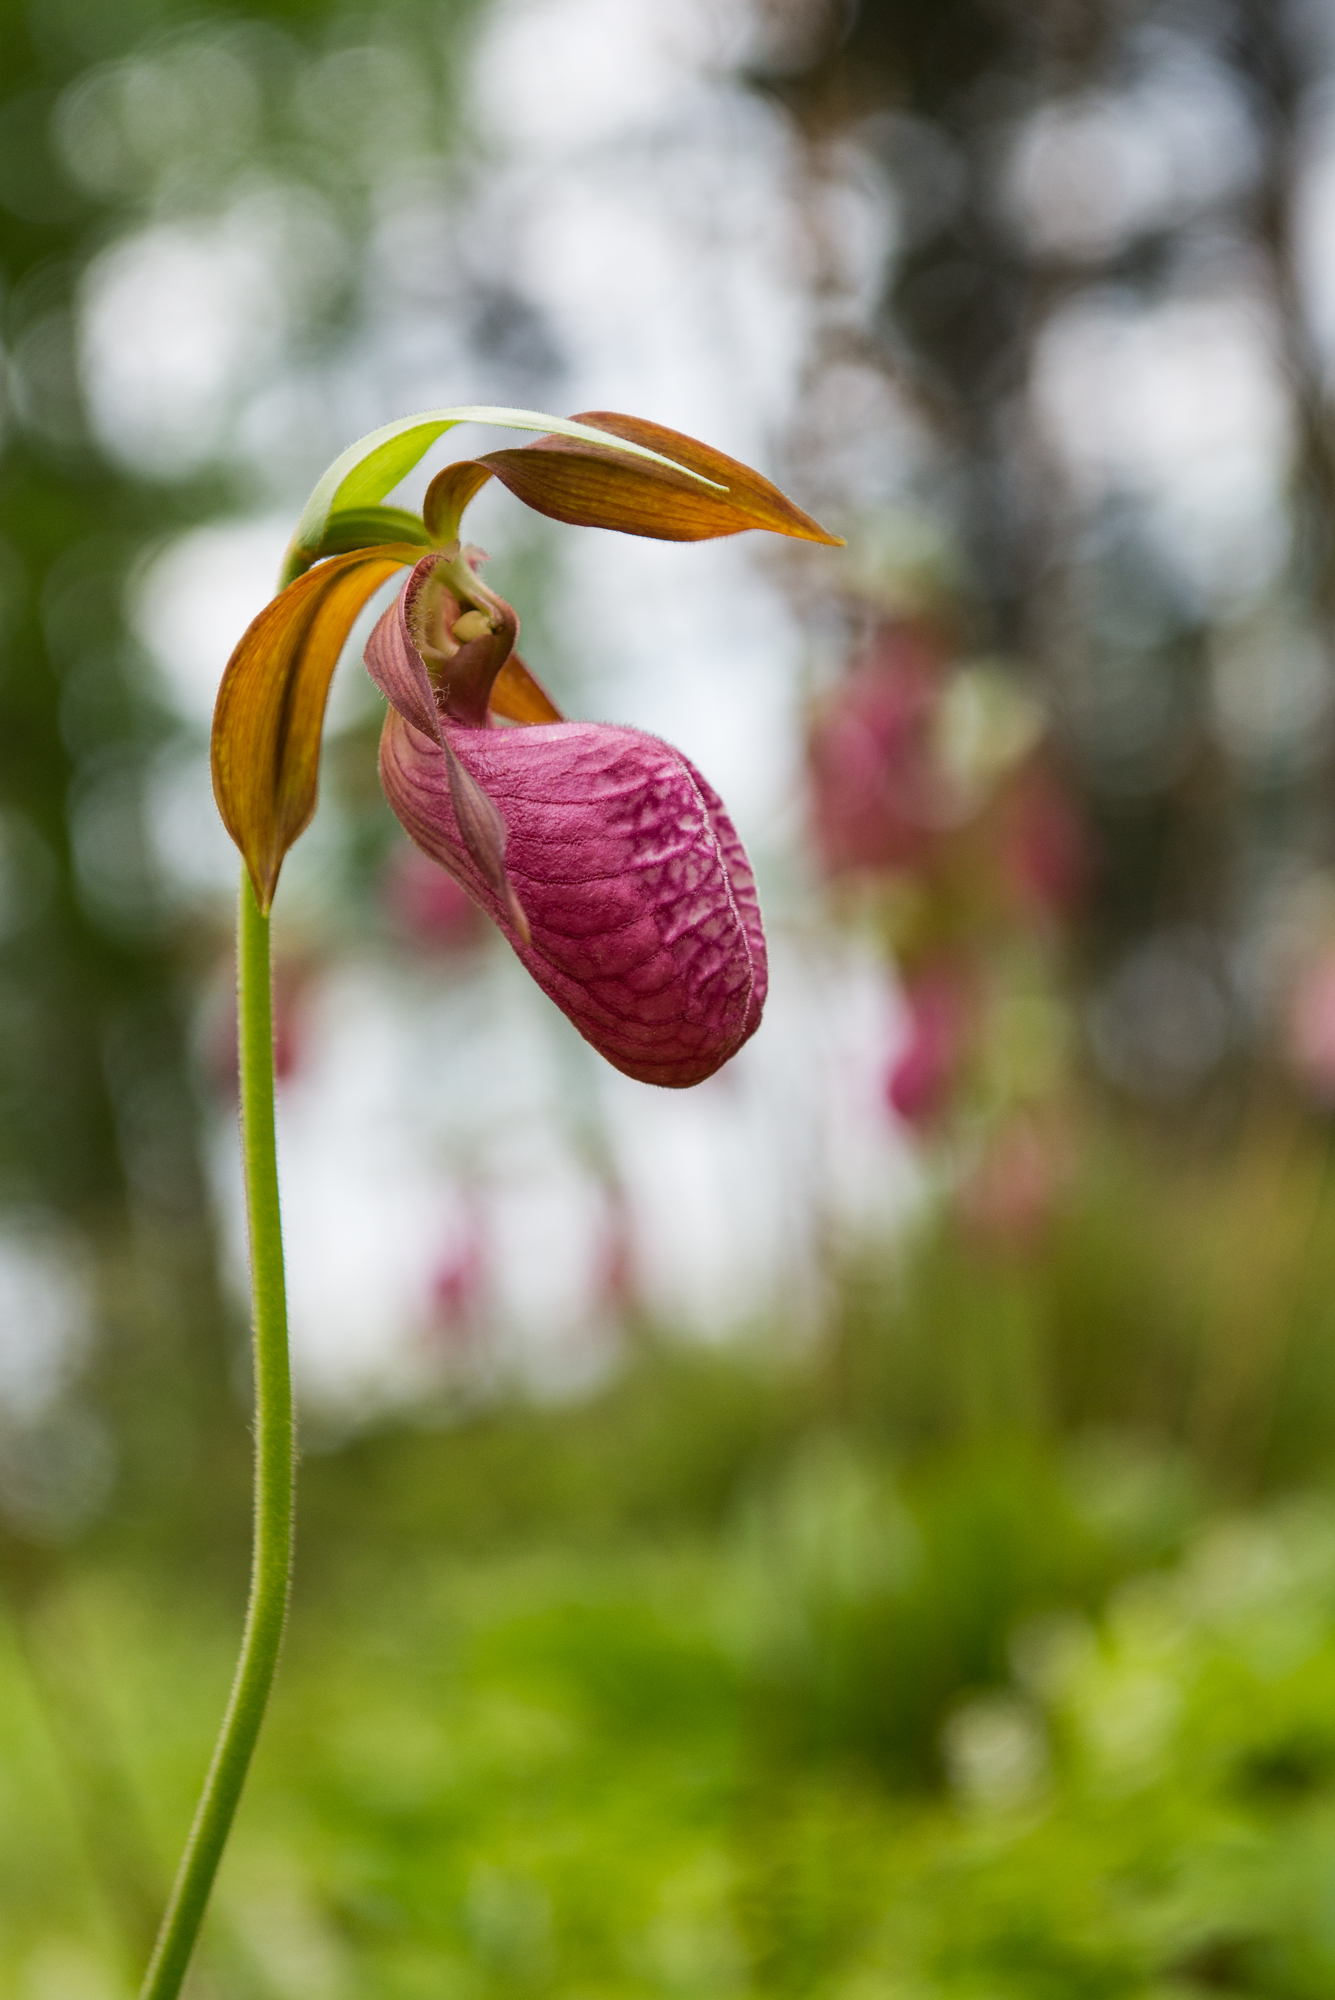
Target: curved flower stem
272	1553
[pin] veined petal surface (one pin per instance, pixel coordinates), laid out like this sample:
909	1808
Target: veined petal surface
644	924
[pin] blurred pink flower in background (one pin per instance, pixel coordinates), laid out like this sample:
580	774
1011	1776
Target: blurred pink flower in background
457	1284
1010	1196
291	984
429	907
1310	1027
942	1009
878	792
1045	850
616	1281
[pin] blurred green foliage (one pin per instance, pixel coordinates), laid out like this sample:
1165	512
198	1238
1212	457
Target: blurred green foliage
930	1661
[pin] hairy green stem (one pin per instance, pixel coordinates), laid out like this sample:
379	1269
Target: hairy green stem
272	1554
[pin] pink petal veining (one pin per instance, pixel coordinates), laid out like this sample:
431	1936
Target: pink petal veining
644	921
604	856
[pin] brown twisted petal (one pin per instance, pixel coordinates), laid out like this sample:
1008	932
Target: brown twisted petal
595	487
448	494
269	714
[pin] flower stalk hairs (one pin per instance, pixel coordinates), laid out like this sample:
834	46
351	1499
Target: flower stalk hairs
606	859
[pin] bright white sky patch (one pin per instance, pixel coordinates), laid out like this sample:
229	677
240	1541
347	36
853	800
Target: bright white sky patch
1182	405
197	598
174	320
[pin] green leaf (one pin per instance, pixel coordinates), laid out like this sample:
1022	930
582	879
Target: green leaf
363	528
364	473
373	476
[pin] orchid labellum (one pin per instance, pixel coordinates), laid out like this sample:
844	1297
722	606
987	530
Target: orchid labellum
602	854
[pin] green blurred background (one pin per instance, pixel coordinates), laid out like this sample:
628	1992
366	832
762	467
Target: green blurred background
864	1529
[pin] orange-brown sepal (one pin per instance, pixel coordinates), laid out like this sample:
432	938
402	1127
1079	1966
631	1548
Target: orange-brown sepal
592	486
269	713
520	696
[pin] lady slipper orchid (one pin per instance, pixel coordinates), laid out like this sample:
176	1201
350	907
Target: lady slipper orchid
601	853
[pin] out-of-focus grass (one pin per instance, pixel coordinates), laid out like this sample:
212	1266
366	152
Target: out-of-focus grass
1179	1290
961	1655
665	1763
